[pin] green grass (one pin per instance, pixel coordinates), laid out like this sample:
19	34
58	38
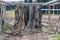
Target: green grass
56	36
49	27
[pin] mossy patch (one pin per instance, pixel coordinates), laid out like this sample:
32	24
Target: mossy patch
5	27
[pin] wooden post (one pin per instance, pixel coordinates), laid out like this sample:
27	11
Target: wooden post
49	14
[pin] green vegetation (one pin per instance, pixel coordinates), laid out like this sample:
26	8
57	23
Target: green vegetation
49	27
56	36
5	26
